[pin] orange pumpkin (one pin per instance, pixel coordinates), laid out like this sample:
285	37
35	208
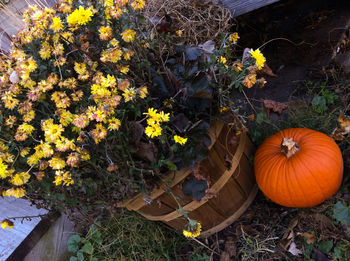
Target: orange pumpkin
298	167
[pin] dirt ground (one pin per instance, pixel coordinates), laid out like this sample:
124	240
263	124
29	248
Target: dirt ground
298	39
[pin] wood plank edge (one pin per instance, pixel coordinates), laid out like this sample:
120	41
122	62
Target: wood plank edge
232	218
33	237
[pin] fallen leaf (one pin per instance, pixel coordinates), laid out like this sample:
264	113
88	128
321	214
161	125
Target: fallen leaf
274	106
266	71
294	250
310	238
344	122
207	47
288	236
344	129
112	167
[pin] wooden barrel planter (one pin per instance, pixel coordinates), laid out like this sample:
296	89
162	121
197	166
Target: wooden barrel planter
230	175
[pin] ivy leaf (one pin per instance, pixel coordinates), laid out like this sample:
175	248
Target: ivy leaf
80	256
88	248
194	188
73	258
325	246
73	243
341	212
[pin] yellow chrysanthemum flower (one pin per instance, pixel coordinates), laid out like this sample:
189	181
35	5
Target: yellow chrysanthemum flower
233	38
6	223
138	4
193	233
152	113
180	140
108	3
20	179
105	33
3	170
80	16
63	177
128	35
113	123
33	159
223	60
57	163
14	192
24	152
153	130
143	92
259	58
56	25
129	94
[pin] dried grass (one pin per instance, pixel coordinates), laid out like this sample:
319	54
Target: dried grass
198	21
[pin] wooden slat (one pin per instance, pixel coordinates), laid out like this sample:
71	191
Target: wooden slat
239	7
233	217
217	186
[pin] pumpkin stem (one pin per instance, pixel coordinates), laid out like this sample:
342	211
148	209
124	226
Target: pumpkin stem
289	147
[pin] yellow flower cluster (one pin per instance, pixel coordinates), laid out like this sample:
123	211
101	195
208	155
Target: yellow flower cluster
154	119
80	16
128	35
180	140
193	232
14	192
105	33
82	102
56	24
63	177
6	223
233	38
259	58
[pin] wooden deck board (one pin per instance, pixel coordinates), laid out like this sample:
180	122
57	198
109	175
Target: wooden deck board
11	238
239	7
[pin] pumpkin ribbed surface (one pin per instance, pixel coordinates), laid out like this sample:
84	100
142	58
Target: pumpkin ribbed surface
307	178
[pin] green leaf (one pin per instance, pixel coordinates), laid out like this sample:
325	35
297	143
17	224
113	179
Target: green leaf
171	165
80	256
141	19
88	248
319	104
73	258
262	117
73	243
337	253
325	246
341	212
